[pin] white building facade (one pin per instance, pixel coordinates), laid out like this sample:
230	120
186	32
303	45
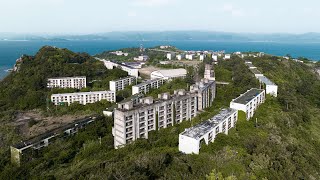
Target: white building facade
227	56
67	82
249	101
271	88
83	97
180	57
190	56
170	56
136	121
131	71
206	93
145	87
191	139
120	84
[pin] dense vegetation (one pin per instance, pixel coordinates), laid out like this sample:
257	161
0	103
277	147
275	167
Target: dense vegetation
26	89
282	142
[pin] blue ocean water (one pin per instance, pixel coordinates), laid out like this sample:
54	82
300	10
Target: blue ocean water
11	50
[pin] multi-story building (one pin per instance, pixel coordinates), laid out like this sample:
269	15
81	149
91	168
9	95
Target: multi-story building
141	58
120	84
191	139
136	121
227	56
130	70
23	151
67	82
209	73
120	53
202	57
145	87
190	56
256	72
206	93
271	88
171	56
83	97
180	56
250	65
249	101
169	74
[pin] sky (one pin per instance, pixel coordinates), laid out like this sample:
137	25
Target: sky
96	16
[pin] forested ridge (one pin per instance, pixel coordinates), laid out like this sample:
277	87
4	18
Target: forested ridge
282	141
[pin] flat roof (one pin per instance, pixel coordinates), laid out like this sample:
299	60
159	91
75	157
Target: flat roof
250	65
120	64
255	71
171	72
128	77
53	132
83	93
148	82
265	80
204	127
155	101
248	96
68	77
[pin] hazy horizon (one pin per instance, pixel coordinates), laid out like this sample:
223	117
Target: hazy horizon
98	16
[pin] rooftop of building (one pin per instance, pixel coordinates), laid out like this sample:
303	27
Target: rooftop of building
75	77
255	71
83	93
148	82
202	85
265	80
248	96
128	77
53	132
120	64
171	72
156	101
250	65
204	127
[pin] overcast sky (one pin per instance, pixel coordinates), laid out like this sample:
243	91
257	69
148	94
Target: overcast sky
92	16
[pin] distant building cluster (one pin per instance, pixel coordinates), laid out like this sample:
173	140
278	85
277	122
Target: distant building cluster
130	70
119	53
141	58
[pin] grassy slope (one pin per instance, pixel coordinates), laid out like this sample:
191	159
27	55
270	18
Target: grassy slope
282	145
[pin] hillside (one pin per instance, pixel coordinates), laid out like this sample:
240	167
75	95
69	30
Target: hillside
24	93
284	142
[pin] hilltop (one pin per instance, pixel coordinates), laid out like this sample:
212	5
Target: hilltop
282	144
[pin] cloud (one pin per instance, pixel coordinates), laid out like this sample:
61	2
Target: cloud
152	3
232	10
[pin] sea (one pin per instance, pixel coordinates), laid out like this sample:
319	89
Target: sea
12	50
